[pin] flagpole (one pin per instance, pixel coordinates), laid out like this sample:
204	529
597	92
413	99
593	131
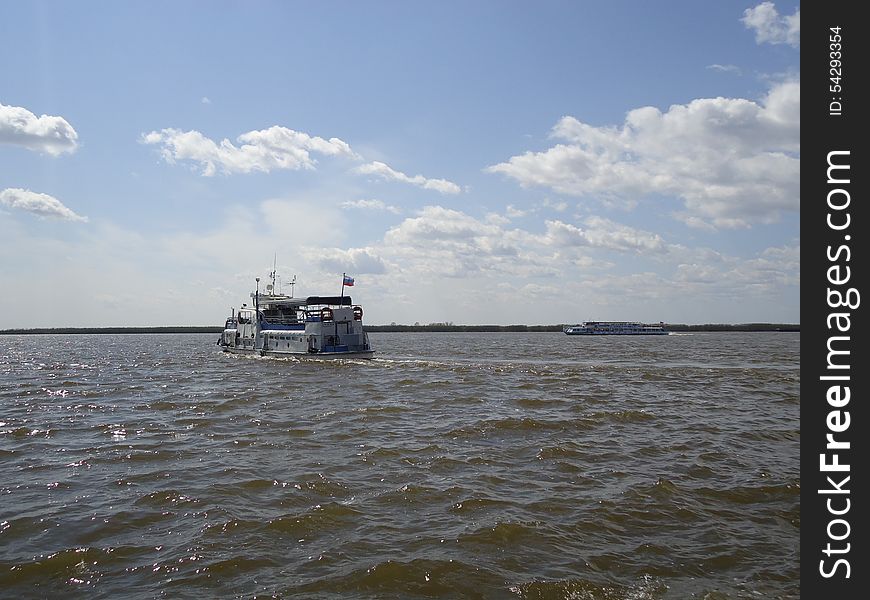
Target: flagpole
341	303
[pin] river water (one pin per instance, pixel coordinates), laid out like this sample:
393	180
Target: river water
479	465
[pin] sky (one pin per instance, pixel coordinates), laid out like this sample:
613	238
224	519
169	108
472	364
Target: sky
466	162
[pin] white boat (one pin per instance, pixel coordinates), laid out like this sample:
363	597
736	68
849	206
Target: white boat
616	328
322	327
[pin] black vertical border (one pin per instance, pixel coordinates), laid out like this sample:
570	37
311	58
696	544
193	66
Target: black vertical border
823	132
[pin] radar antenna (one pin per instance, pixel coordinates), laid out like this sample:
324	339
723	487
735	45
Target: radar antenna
273	274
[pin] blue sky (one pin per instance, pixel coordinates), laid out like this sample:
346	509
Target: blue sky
486	162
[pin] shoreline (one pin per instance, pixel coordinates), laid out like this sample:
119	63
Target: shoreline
431	328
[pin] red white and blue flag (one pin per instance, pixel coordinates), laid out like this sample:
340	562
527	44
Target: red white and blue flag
347	281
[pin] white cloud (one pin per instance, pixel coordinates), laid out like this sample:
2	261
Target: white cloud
730	277
733	162
205	100
445	242
375	205
604	233
442	242
353	260
496	219
696	222
384	171
38	204
558	206
52	135
773	267
725	68
513	212
263	150
771	27
440	225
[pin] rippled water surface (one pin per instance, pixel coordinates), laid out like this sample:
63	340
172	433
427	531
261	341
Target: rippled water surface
454	465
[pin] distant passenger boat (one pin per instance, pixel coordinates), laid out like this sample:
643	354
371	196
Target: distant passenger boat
616	328
313	327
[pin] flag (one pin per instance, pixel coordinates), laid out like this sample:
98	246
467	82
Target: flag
347	281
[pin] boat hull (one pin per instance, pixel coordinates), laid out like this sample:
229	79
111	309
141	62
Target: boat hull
361	354
616	333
